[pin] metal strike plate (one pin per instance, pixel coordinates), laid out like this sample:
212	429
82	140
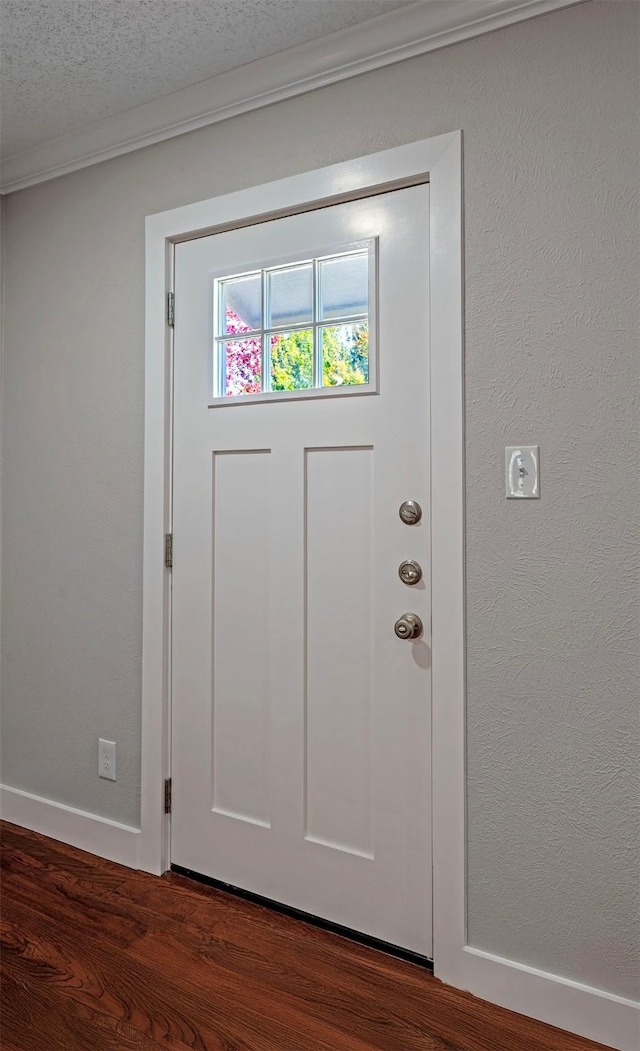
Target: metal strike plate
410	512
410	572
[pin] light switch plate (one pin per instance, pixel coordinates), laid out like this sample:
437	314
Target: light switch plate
522	468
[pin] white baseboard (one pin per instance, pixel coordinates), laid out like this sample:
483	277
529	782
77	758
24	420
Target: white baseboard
593	1013
90	832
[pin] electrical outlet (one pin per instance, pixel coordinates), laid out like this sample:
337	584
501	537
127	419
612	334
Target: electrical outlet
107	759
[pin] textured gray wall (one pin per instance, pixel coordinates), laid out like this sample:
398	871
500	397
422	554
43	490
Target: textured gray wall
548	112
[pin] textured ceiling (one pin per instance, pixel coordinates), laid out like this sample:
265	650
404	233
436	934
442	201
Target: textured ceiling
68	63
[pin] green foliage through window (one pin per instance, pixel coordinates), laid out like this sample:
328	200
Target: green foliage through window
292	360
345	354
345	357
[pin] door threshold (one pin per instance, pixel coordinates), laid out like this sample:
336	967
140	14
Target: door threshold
307	917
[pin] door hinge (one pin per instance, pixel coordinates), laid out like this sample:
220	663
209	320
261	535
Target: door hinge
168	550
167	795
171	309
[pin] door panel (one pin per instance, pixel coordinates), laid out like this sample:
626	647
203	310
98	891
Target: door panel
301	723
339	659
240	593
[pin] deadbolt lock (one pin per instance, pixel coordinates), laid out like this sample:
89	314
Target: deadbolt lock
410	512
410	572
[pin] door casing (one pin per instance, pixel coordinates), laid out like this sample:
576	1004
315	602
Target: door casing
438	161
557	1000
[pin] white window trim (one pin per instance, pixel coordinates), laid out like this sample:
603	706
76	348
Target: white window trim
559	1001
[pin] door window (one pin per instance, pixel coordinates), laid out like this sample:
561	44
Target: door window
305	327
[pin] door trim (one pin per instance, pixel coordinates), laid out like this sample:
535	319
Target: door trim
438	161
559	1001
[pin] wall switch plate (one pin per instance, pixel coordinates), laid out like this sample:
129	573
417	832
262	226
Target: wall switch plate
107	759
522	466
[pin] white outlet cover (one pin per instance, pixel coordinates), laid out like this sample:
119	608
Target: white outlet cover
107	759
522	469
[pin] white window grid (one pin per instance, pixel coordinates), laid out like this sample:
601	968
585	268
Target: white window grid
264	333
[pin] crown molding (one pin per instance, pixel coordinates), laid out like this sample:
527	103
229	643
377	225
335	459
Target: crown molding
412	30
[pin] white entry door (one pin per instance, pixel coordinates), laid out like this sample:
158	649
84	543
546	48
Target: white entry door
301	720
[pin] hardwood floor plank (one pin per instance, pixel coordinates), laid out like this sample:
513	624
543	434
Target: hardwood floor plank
47	852
34	1017
108	954
114	983
316	994
73	900
102	984
341	1022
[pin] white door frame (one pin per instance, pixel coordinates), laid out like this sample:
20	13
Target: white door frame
439	161
570	1005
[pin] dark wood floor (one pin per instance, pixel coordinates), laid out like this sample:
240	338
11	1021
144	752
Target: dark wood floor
95	956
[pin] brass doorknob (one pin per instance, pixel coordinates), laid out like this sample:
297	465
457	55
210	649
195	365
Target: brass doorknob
409	626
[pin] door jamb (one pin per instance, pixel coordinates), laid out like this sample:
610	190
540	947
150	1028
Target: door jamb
437	160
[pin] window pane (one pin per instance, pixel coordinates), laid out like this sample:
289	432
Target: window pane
241	305
292	360
344	286
242	366
345	354
290	296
